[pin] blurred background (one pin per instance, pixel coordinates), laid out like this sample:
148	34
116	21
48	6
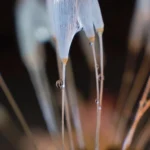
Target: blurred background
117	16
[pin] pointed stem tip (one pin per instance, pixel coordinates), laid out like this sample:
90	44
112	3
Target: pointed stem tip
65	60
100	30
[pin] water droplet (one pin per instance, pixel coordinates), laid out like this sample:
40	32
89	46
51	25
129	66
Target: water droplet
59	83
99	108
101	77
96	101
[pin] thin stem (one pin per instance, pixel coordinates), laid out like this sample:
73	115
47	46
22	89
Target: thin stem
63	104
139	82
50	120
126	84
101	68
143	137
39	81
74	107
99	105
96	71
143	107
132	97
65	108
16	110
69	125
62	74
131	132
145	94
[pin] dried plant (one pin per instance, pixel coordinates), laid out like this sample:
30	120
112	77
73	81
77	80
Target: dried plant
144	105
131	87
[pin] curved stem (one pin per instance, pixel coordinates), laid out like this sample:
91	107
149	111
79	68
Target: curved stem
131	132
143	107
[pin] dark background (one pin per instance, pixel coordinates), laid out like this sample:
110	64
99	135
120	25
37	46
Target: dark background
117	16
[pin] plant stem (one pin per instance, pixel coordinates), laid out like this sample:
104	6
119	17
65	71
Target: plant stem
17	110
